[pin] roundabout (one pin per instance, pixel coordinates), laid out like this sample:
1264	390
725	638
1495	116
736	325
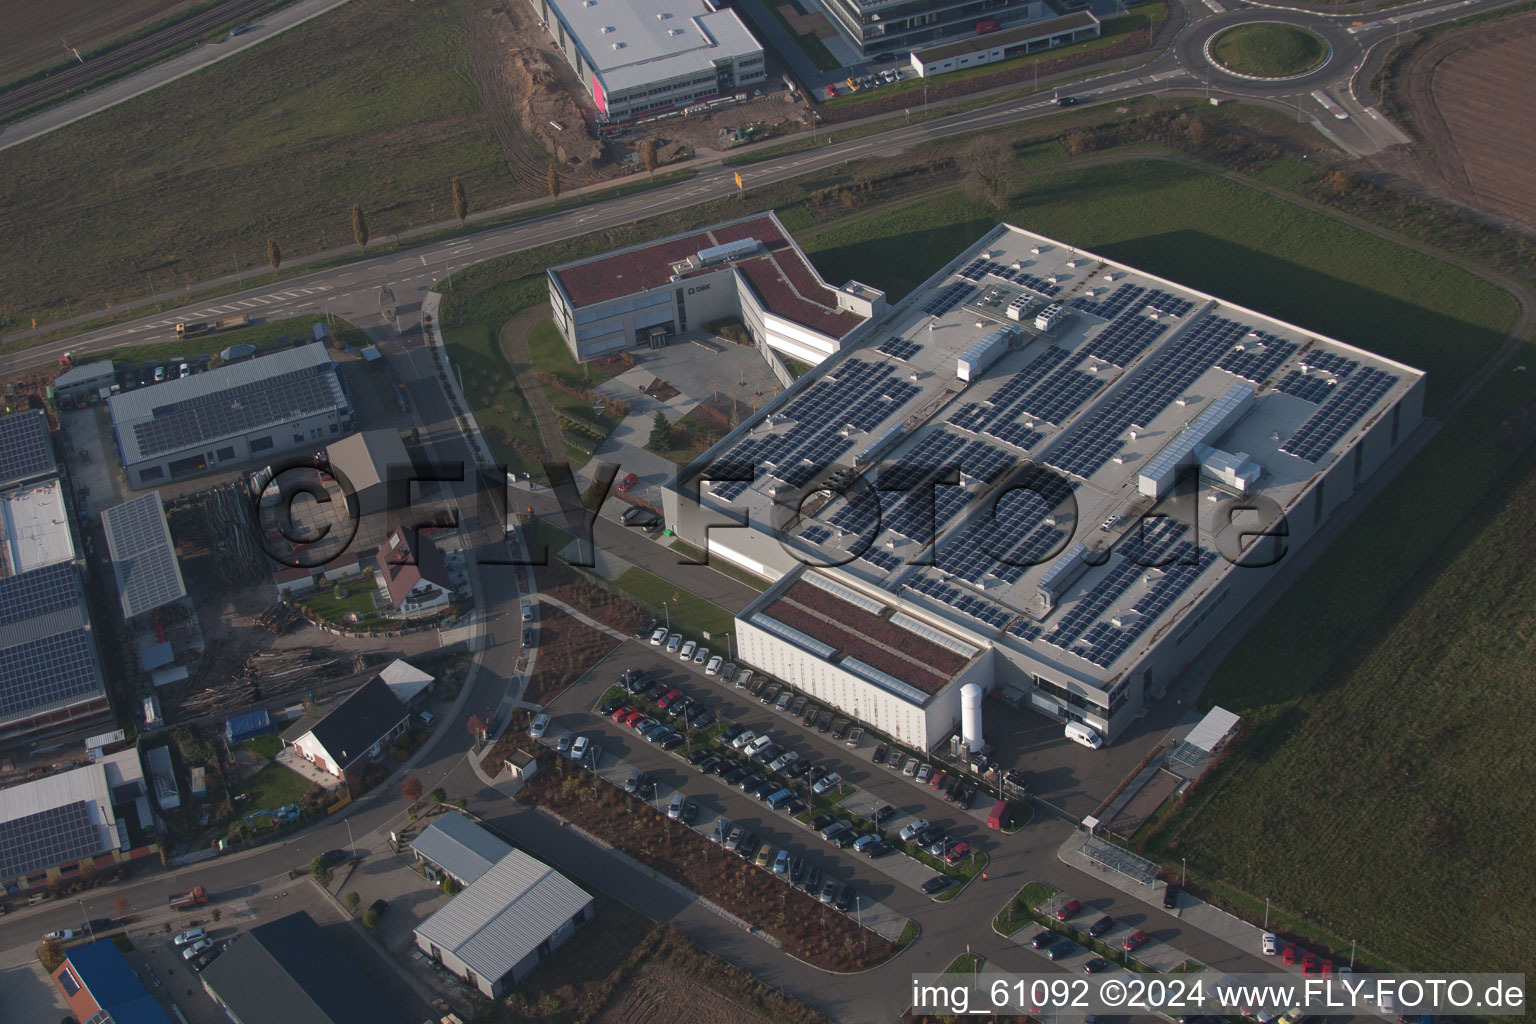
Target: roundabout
1269	51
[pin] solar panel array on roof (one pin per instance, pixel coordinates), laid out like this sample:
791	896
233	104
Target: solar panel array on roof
900	348
882	559
1124	338
37	593
1013	537
1165	302
960	600
1026	630
1351	401
1307	387
816	534
59	835
48	670
1335	363
1113	304
25	450
977	462
237	410
1016	434
1172	563
142	555
948	297
1096	440
1258	356
1061	394
1003	405
981	267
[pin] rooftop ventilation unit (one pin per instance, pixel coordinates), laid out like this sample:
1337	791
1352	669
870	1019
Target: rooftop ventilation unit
727	252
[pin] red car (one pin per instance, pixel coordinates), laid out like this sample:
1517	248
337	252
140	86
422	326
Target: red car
624	712
1135	941
1069	910
1325	968
1308	963
1288	954
936	781
668	698
957	853
632	717
628	482
641	722
831	92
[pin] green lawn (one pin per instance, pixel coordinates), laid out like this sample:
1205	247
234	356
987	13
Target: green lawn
264	746
358	599
472	335
965	963
271	788
1268	49
1020	909
691	615
549	353
1215	235
266	337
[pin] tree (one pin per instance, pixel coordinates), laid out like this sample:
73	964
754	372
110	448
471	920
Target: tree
120	906
460	200
462	803
475	726
50	954
216	914
554	181
274	254
439	795
990	169
648	155
359	226
352	899
661	434
370	919
318	871
450	886
411	788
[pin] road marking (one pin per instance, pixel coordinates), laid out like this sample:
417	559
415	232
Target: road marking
1329	105
1215	7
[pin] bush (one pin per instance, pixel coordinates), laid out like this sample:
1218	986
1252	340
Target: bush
439	795
450	887
352	899
50	954
370	919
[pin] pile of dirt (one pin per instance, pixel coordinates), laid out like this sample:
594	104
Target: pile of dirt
543	104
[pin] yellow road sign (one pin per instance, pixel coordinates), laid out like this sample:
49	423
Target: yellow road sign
738	180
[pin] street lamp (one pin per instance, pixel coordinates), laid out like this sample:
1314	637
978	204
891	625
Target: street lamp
1183	869
350	841
87	918
1351	954
1266	913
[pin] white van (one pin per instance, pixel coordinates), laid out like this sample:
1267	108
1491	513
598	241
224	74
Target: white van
1084	734
527	612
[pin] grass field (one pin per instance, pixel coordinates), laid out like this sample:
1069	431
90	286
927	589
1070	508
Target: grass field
474	348
278	141
1268	49
35	34
266	337
264	746
690	613
1214	235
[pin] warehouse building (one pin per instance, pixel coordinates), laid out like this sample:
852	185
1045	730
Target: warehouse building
50	679
80	384
144	562
100	987
504	923
876	27
1081	473
643	57
97	815
998	46
292	399
747	269
289	971
26	449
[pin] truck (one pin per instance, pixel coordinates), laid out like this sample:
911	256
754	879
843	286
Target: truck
234	323
192	330
195	896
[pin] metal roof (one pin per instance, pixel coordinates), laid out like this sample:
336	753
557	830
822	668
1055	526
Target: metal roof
26	451
47	658
86	374
501	918
101	967
196	411
143	555
55	820
367	458
460	847
1213	728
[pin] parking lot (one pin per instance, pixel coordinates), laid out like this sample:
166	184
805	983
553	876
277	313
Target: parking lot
893	878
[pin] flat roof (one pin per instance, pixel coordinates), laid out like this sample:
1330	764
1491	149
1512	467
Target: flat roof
777	271
1056	434
26	451
231	401
634	42
34	528
1007	37
56	820
143	555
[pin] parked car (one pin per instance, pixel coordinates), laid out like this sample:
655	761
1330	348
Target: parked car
924	772
956	853
645	630
732	731
742	739
798	769
937	884
820	822
64	935
896	760
836	829
564	743
881	751
811	883
782	704
829	781
884	814
936	780
1288	953
910	768
1170	896
765	854
659	637
770	694
1269	944
699	756
670	741
728	671
673	641
699	716
912	829
701	655
781	863
938	843
539	727
783	761
744	678
579	748
1102	925
952	790
1135	941
630	514
629	481
830	890
713	668
846	899
878	848
864	842
1096	965
1062	950
1069	910
196	949
611	705
966	797
1044	939
686	651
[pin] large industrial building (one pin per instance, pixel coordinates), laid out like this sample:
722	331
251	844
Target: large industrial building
875	27
992	47
642	57
747	269
292	399
1042	472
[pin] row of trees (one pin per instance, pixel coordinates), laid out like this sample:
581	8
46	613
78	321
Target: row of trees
360	219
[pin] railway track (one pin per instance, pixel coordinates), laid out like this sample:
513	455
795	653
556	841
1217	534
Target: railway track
78	77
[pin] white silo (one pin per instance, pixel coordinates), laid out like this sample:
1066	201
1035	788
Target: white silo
970	716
